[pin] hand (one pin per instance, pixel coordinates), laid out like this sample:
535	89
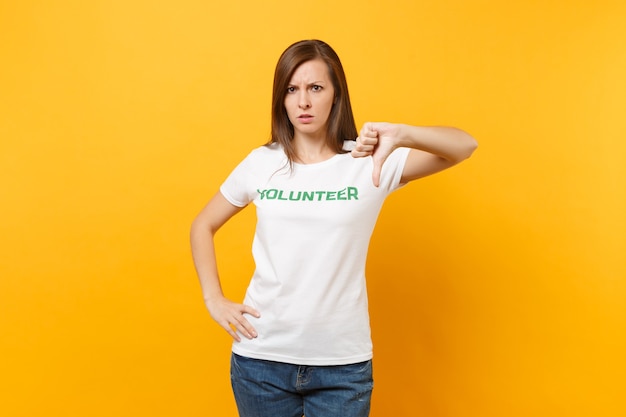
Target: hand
230	316
377	140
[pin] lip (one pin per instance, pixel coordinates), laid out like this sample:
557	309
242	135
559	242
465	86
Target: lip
305	118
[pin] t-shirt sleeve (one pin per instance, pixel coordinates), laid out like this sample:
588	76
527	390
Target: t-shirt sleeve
392	169
238	188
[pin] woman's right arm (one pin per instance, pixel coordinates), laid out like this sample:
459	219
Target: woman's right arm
226	313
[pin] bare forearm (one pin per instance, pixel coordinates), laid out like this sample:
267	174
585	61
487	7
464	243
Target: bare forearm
226	313
203	252
449	143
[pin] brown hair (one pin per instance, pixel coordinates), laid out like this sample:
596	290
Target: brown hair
341	125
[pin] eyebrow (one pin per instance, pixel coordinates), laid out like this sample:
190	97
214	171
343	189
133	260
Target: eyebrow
311	83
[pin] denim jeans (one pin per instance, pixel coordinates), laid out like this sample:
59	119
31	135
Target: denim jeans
274	389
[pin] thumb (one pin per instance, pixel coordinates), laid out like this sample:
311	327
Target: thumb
378	167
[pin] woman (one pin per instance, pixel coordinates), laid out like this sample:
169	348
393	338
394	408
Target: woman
301	337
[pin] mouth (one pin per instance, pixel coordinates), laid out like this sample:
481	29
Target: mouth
305	118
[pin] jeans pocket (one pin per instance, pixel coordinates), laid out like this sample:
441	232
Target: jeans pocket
235	366
364	368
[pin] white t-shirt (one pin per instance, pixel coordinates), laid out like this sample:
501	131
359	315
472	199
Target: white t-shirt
314	225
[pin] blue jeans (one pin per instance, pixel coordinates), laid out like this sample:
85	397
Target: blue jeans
274	389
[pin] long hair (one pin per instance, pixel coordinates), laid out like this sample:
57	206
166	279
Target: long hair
340	126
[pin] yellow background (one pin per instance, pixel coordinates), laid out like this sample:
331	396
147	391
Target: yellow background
496	288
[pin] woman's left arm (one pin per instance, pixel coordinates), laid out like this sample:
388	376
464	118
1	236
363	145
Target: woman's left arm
433	149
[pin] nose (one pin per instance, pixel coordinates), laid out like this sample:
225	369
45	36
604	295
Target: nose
304	101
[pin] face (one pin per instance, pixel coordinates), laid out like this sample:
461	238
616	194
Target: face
309	99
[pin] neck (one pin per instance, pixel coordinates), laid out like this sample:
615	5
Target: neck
310	150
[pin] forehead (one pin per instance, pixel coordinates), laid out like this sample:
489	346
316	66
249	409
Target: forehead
309	71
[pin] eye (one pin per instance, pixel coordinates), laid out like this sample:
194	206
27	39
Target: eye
317	88
291	89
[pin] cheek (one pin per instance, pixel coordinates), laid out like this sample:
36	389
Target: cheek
289	104
330	104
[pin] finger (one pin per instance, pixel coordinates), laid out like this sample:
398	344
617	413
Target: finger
250	310
364	148
236	327
378	166
368	130
358	154
367	140
365	144
245	328
232	331
360	151
244	325
370	133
